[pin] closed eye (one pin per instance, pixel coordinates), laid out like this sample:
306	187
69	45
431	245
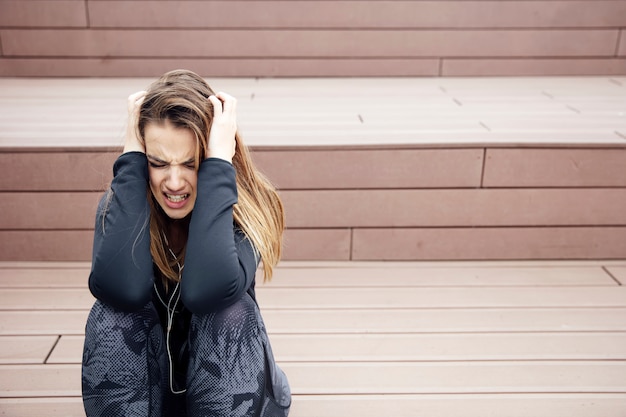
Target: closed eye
156	164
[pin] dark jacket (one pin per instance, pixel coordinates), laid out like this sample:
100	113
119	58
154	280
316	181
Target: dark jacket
220	261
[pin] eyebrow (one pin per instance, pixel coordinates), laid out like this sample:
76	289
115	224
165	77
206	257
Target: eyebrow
155	159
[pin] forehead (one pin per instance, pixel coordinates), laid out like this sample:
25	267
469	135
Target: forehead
168	142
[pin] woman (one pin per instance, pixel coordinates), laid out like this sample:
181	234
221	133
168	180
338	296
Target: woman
176	329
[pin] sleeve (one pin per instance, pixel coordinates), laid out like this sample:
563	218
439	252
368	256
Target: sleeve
121	269
220	262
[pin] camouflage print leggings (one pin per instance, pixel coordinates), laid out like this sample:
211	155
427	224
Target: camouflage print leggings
231	370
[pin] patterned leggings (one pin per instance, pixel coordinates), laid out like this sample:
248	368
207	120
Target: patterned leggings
231	370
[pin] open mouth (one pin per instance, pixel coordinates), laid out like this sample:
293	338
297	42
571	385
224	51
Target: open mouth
177	198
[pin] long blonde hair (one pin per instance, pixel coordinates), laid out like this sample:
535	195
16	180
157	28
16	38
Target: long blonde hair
181	97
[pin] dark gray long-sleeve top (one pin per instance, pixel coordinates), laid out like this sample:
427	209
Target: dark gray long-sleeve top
220	262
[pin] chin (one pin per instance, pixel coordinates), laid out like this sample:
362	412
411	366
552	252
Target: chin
177	214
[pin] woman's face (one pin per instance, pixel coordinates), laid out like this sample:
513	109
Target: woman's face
171	154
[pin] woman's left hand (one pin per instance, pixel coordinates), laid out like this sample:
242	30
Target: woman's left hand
224	127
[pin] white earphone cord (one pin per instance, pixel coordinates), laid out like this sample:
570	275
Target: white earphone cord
170	321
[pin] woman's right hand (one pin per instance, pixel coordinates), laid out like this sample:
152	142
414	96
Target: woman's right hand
132	143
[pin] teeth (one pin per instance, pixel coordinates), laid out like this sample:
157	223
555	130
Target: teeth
176	198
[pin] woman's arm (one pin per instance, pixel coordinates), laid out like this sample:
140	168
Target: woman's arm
121	268
220	262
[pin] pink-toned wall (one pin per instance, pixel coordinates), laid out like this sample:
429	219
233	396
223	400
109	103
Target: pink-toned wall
363	204
312	38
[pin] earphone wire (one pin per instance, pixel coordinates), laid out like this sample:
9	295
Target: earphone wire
170	319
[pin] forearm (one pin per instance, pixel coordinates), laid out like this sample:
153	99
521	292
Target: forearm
219	263
121	272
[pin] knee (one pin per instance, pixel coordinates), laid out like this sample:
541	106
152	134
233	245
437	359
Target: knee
118	328
123	361
226	360
240	320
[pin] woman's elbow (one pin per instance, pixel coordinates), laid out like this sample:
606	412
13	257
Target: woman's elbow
127	298
195	303
208	301
135	300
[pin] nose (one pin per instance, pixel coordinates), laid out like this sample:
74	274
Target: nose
175	179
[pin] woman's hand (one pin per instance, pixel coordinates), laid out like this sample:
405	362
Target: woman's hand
132	142
222	134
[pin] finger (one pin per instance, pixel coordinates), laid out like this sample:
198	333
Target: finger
217	105
135	100
136	95
229	102
139	95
